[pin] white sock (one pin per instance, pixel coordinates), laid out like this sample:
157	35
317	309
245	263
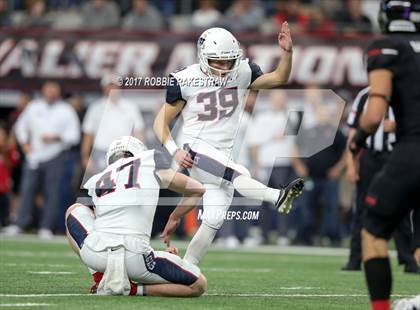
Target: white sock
199	244
253	189
140	289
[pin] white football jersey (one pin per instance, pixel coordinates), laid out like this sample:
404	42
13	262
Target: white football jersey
212	113
125	195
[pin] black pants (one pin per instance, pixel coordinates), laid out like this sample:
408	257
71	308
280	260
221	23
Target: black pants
370	164
416	225
4	209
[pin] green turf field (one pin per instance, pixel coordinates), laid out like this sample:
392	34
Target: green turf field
38	275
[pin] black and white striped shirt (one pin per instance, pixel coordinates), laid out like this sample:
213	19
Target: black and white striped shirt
380	139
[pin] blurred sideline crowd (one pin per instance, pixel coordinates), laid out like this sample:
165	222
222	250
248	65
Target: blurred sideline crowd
324	17
50	145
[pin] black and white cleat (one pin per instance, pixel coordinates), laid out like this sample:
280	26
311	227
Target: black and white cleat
289	193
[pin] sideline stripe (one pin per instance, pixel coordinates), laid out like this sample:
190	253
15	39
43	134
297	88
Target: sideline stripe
267	249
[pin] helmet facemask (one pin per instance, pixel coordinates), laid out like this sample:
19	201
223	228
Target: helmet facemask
211	71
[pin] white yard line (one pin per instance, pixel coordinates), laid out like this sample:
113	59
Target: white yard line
38	254
51	272
211	294
222	269
294	295
25	305
43	295
35	264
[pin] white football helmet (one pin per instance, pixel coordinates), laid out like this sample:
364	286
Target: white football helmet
218	44
125	144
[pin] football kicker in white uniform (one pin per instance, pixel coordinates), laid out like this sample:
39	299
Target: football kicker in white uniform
113	241
211	115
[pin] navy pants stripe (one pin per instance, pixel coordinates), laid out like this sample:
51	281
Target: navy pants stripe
168	270
212	166
76	230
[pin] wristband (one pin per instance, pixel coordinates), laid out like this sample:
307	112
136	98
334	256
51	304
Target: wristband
171	146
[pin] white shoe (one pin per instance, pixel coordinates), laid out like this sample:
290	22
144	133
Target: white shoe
251	242
12	230
45	234
407	303
219	242
283	241
231	242
254	237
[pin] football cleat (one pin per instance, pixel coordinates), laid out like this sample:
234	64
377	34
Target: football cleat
288	194
97	277
407	303
94	288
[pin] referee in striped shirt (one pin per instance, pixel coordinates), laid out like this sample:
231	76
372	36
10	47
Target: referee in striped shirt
378	149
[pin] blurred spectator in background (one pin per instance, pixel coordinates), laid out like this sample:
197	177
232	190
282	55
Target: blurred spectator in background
100	14
271	151
36	15
166	7
77	103
331	7
46	129
143	16
244	15
321	172
21	104
5	20
292	12
206	16
8	158
72	169
319	22
59	4
106	120
352	20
